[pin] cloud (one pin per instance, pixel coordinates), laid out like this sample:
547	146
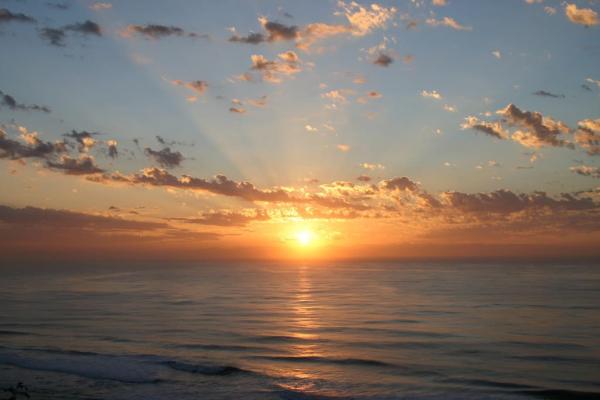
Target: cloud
588	135
360	22
84	165
237	110
52	219
155	31
252	38
581	16
54	36
85	139
310	128
401	183
543	93
7	16
277	31
449	108
550	10
372	95
344	148
508	202
439	3
220	184
10	102
197	86
493	129
363	178
594	81
448	22
58	6
33	147
538	130
101	6
273	71
336	96
57	36
371	166
497	54
86	28
112	148
383	60
165	157
226	218
433	94
586	170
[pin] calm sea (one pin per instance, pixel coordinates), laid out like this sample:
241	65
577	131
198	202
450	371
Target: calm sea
360	331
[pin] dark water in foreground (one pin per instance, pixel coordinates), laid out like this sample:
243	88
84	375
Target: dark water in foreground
368	331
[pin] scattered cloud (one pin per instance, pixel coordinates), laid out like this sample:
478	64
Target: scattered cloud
448	22
543	93
586	170
432	94
8	16
273	71
10	102
588	135
166	158
84	165
101	6
197	86
581	16
155	31
493	129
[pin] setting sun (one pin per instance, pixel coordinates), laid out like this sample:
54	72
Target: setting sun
304	237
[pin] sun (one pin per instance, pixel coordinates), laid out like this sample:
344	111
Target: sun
304	237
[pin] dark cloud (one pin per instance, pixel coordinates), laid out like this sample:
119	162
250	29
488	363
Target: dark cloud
84	139
219	218
33	148
383	60
538	130
7	16
84	165
252	38
11	103
112	149
218	185
85	28
54	36
51	218
165	157
57	36
156	31
402	183
275	32
507	202
58	6
588	136
544	93
586	170
278	31
586	87
493	129
363	178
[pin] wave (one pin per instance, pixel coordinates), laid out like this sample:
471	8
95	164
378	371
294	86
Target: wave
122	368
15	333
327	360
204	369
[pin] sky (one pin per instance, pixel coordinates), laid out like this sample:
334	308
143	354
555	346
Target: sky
299	130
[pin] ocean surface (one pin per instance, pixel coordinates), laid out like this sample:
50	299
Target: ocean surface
338	331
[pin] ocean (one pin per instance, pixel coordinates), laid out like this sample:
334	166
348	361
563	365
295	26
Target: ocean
393	330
